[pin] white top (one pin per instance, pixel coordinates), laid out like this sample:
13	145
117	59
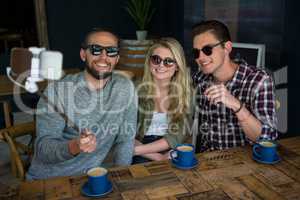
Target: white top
159	124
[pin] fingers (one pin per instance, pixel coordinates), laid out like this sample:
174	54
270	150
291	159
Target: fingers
89	144
92	146
216	93
84	140
87	141
219	94
211	89
218	99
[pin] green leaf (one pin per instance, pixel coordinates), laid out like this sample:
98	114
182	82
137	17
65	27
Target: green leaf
140	11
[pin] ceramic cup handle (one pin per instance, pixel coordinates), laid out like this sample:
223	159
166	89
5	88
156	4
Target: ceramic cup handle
173	155
256	153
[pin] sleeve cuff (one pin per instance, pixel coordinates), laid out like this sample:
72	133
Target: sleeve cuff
268	133
65	153
171	140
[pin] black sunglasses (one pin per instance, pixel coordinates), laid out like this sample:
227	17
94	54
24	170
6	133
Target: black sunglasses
207	50
156	60
96	50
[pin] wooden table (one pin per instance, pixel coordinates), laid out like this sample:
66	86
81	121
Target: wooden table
230	174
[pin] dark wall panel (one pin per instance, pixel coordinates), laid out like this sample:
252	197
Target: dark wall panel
68	21
291	47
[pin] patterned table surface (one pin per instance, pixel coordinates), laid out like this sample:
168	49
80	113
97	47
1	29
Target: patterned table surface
230	174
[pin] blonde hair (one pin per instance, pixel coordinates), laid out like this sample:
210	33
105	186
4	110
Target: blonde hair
180	87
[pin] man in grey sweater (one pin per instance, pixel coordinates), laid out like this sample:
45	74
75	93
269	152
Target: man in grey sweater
102	104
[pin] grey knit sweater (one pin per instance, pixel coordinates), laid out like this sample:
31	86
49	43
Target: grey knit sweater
110	113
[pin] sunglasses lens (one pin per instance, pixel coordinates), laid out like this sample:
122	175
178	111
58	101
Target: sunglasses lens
155	59
196	53
95	49
207	50
168	62
112	51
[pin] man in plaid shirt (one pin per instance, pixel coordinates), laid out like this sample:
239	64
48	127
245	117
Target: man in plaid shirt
235	103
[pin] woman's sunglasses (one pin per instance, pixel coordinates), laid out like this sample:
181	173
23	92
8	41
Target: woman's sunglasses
156	60
207	50
96	50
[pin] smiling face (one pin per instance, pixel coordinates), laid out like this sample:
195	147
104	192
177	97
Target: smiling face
99	65
213	63
160	71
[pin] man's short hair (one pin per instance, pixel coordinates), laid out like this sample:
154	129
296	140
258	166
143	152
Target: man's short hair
98	30
217	28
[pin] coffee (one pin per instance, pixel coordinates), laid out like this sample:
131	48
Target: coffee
97	171
185	148
266	144
183	155
265	151
98	180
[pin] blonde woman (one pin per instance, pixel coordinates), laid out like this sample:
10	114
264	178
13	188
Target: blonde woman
164	101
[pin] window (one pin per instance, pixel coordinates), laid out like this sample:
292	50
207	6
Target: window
253	54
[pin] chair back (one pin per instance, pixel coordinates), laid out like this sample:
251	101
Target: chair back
126	73
18	149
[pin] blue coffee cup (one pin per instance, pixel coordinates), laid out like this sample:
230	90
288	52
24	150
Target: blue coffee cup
183	154
97	180
265	150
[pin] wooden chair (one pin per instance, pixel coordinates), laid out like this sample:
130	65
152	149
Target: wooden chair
126	73
7	113
7	38
19	149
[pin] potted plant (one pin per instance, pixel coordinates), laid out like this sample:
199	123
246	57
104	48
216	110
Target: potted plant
141	12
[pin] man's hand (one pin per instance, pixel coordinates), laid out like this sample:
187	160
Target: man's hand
219	93
85	143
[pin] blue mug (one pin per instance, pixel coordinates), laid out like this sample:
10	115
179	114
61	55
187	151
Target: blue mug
183	154
265	150
98	182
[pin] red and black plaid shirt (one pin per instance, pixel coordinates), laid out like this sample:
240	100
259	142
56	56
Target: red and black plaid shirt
219	127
